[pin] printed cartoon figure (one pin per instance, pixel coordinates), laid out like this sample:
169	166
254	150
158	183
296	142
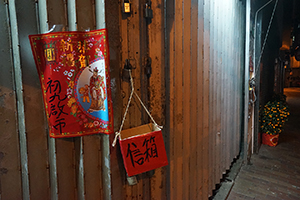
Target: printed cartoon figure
97	92
85	93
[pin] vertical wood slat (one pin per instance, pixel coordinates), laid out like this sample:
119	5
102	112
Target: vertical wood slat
224	86
15	45
136	47
215	66
186	86
206	97
240	71
227	89
157	91
193	167
92	167
44	27
116	63
125	87
178	104
219	96
65	148
133	49
85	15
10	176
100	16
201	83
212	104
78	142
170	53
134	113
235	89
225	92
223	19
181	61
171	30
38	165
91	146
227	101
231	82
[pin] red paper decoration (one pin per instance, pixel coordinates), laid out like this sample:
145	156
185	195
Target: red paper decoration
74	73
143	149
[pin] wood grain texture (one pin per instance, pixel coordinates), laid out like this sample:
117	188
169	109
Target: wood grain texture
206	102
10	175
35	120
186	132
274	172
194	91
157	90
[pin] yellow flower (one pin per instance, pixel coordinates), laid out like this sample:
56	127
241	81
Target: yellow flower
74	108
71	84
71	101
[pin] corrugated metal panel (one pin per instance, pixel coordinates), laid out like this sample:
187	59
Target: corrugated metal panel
219	93
195	91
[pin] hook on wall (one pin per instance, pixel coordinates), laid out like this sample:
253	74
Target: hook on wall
125	72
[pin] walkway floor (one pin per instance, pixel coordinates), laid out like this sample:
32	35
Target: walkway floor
275	172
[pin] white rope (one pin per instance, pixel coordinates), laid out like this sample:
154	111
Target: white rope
118	134
160	127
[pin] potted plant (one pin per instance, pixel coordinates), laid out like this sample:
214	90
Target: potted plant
272	119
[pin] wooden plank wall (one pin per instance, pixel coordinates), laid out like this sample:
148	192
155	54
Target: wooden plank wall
194	91
139	40
204	80
10	174
33	166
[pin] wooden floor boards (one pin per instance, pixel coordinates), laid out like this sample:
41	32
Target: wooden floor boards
274	173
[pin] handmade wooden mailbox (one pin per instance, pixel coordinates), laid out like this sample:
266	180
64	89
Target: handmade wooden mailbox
143	149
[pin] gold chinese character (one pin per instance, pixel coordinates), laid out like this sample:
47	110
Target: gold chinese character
50	54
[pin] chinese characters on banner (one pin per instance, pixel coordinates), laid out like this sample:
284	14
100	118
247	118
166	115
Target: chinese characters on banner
143	152
74	73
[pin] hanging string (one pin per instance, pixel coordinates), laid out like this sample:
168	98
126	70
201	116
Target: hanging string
118	134
160	127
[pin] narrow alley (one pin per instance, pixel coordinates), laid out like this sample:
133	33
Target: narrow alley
274	173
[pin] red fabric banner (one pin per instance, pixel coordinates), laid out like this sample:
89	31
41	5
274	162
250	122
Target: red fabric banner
74	73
